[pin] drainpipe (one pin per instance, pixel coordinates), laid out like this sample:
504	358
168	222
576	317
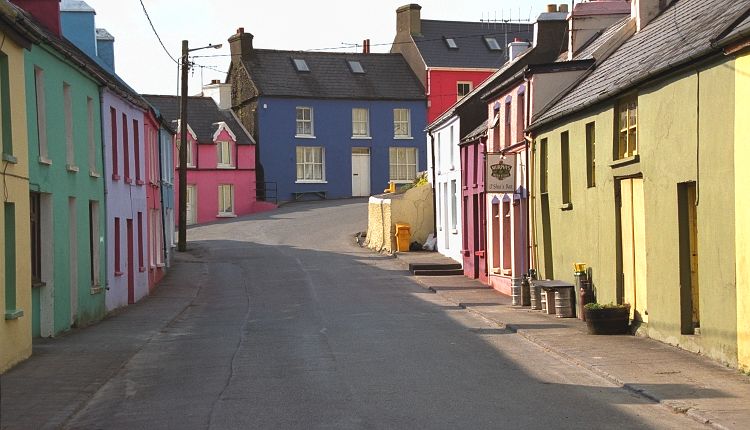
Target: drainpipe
434	192
530	206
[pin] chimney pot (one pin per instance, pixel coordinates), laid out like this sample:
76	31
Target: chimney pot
551	8
563	8
241	30
215	81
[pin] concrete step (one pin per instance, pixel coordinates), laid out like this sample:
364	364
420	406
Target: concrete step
435	266
437	272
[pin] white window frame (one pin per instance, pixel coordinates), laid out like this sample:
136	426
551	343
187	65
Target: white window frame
301	122
399	122
41	115
190	154
70	153
398	157
308	162
153	156
458	86
224	148
360	123
222	190
90	136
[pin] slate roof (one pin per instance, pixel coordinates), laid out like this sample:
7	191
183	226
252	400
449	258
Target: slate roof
103	34
475	134
203	114
681	34
75	6
472	50
587	51
386	77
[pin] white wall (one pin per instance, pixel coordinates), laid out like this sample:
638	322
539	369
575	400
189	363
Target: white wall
448	189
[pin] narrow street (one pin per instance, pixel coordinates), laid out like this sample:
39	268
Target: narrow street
279	320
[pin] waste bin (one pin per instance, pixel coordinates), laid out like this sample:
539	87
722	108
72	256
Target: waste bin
403	237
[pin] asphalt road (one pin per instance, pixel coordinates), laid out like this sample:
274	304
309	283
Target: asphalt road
285	323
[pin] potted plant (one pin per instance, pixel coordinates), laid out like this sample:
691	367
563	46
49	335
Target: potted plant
607	318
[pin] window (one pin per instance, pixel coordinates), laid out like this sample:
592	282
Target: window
224	154
153	156
454	206
125	149
118	267
137	152
591	154
90	135
356	67
627	124
301	65
94	243
226	199
140	242
305	121
451	43
565	164
492	44
68	108
437	153
543	166
35	212
310	164
115	162
401	123
462	89
10	261
520	115
451	149
190	155
507	123
6	121
403	164
360	122
41	115
156	257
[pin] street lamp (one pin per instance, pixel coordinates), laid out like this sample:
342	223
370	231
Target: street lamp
182	221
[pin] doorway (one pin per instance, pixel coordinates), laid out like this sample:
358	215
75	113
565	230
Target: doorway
690	320
360	172
131	272
633	236
192	204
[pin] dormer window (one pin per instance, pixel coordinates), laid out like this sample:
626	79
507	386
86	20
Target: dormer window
451	43
301	65
492	44
356	66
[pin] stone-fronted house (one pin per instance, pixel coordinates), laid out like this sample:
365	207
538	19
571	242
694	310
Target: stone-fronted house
451	58
328	125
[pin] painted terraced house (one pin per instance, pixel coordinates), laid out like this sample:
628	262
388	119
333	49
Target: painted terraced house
122	113
329	125
66	185
642	169
15	264
221	160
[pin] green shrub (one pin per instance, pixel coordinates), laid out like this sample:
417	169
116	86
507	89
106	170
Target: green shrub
610	305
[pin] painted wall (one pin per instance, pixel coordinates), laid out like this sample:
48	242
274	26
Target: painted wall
442	88
414	207
126	197
474	216
65	231
333	131
207	177
155	230
448	178
742	206
15	333
671	130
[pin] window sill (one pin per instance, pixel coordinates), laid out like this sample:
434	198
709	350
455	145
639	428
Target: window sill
13	314
625	161
10	158
403	137
118	274
94	174
566	207
454	231
226	215
45	160
307	181
96	289
72	168
304	136
38	284
115	177
189	166
362	137
128	181
160	265
141	269
139	182
224	166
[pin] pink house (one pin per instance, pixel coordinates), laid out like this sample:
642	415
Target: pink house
221	160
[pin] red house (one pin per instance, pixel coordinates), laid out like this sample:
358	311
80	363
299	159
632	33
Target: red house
451	58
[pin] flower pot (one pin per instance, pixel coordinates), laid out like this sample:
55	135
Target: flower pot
608	320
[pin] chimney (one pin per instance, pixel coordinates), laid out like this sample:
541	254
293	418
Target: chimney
550	32
551	8
241	44
516	48
589	18
409	19
47	12
643	11
105	47
221	93
77	21
366	46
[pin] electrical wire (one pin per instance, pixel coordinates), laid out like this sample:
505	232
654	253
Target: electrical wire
156	33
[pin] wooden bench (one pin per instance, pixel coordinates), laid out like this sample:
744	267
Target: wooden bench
299	194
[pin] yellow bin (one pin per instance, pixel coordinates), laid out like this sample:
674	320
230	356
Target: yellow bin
403	237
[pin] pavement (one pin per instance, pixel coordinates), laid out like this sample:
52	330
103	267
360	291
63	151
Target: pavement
681	381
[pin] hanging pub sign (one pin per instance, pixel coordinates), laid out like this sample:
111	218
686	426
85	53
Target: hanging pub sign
501	173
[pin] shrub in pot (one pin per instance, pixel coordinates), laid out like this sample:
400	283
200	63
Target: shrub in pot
608	318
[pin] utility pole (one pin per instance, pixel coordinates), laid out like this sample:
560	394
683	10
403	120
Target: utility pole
182	193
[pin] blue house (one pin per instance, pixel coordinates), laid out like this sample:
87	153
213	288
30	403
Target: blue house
328	125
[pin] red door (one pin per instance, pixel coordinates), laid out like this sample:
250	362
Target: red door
131	272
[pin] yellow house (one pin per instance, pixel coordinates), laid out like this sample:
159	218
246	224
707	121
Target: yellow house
634	175
15	276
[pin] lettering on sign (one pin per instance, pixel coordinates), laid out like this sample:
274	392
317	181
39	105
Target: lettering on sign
501	173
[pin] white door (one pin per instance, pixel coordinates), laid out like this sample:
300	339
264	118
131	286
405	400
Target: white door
360	172
192	204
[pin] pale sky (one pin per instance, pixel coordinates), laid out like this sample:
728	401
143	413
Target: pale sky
276	24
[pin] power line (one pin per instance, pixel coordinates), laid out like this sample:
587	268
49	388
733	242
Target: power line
156	33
